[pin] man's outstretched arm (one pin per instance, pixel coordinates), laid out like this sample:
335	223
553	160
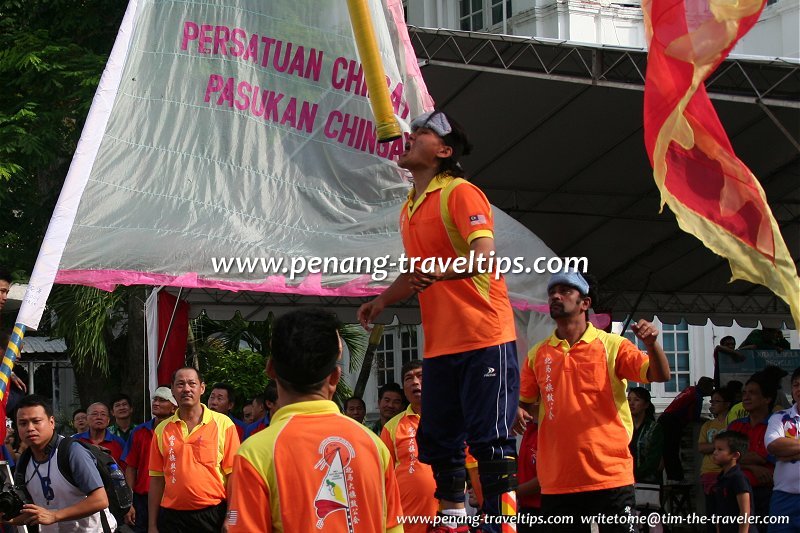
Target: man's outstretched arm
400	289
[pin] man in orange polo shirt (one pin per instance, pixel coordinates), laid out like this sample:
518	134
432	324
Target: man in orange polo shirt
579	375
312	469
191	458
414	478
470	352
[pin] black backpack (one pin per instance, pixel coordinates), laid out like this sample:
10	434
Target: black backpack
120	495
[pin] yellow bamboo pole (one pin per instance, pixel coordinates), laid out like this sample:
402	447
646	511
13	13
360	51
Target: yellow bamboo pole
388	129
10	357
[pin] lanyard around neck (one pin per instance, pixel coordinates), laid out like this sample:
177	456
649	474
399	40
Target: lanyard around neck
47	488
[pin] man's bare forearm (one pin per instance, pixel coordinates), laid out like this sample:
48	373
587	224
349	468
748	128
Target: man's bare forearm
154	499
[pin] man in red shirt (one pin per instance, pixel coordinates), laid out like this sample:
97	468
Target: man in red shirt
529	492
684	409
137	457
99	435
269	403
247	413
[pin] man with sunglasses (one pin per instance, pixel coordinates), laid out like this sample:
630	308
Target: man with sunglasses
58	505
470	355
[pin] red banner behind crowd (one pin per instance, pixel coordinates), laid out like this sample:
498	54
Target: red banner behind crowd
713	194
173	355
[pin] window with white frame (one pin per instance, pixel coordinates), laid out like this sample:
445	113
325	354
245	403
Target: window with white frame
497	10
398	346
674	339
478	15
471	15
408	345
384	359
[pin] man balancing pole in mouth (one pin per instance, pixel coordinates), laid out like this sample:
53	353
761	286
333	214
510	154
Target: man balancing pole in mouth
470	357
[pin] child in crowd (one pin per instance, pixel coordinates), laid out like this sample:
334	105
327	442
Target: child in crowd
733	495
721	401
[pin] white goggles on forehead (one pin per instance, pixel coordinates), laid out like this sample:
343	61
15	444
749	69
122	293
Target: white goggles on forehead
433	120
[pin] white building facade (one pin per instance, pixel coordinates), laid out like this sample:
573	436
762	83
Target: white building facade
604	22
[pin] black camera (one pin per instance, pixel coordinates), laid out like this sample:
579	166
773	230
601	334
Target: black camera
12	498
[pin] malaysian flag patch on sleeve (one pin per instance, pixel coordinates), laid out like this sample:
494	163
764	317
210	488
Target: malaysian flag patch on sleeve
233	517
475	220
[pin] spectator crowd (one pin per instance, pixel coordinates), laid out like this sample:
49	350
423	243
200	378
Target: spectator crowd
298	462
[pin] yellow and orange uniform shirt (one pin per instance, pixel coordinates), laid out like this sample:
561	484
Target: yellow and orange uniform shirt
485	316
313	469
195	464
585	423
415	479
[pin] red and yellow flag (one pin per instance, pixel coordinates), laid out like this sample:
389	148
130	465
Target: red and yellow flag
713	194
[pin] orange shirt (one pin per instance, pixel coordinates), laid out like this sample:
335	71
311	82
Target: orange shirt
480	302
585	423
313	469
415	479
195	465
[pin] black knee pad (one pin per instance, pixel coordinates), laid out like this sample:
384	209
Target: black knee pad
498	476
450	483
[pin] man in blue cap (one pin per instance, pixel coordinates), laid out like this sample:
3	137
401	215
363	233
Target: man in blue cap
578	377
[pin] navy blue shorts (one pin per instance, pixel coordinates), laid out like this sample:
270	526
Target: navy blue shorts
469	397
785	504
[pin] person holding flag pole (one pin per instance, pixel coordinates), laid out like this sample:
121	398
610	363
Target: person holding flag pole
6	368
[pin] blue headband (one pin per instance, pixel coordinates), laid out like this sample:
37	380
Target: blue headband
573	279
433	120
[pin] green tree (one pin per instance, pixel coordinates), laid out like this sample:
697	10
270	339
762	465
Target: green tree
243	369
52	53
104	335
235	351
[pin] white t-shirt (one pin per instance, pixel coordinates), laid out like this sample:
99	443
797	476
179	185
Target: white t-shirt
785	423
65	494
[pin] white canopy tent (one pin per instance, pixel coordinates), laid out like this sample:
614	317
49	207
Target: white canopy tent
560	148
